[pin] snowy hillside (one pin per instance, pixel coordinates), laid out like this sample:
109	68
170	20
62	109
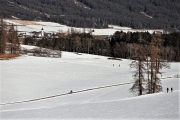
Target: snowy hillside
30	26
51	27
38	88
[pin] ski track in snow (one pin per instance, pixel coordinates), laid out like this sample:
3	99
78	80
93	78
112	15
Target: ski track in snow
74	92
63	94
88	102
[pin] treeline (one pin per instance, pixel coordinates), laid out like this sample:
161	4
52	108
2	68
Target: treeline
146	14
9	41
123	45
75	42
169	49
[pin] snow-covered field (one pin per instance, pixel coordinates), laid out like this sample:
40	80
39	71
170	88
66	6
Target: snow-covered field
56	27
51	27
38	87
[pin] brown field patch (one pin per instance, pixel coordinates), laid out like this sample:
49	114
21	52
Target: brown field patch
8	56
25	22
114	58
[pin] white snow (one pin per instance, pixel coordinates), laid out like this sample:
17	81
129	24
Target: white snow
51	27
30	78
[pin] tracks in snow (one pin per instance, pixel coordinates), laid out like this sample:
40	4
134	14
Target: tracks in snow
75	92
64	94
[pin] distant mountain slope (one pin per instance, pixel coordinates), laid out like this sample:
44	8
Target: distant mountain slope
97	13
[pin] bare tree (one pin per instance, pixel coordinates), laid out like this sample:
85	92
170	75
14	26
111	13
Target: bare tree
77	44
147	66
138	86
13	40
3	36
156	63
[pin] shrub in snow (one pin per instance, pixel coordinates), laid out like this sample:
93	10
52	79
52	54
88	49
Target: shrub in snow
42	52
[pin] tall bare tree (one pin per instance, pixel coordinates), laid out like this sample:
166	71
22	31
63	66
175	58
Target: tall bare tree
138	87
13	40
77	44
3	36
156	64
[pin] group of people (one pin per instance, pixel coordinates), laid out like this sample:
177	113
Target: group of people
168	90
113	65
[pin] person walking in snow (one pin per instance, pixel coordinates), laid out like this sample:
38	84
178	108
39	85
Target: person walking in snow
171	89
167	90
71	92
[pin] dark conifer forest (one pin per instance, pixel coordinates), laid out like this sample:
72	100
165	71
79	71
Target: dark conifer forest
144	14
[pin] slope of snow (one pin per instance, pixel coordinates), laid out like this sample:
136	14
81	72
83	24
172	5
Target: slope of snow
160	106
56	27
31	78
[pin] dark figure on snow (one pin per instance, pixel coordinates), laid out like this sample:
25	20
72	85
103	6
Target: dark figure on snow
113	65
167	90
71	92
119	65
171	89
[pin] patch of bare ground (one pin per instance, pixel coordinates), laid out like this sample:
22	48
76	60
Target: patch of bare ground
8	56
25	22
100	37
114	58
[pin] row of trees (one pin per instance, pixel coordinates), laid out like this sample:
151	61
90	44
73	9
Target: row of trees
147	67
123	45
75	42
9	41
127	44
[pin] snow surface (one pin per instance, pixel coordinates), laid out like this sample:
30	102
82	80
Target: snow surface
51	27
30	78
56	27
